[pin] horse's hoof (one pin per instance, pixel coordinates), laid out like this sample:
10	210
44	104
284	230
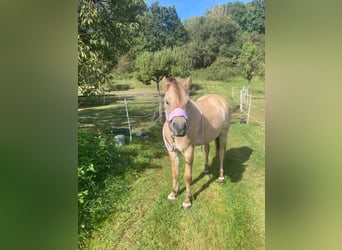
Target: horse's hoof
220	179
186	205
205	171
171	197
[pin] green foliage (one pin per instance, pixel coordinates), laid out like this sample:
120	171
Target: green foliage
256	17
198	55
99	161
105	31
250	61
119	37
105	174
250	17
153	66
223	69
238	12
162	28
221	33
210	36
95	164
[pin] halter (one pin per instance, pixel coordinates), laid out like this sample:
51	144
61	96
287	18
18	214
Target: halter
169	118
176	112
183	113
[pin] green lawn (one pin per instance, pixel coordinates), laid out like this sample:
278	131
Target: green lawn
227	215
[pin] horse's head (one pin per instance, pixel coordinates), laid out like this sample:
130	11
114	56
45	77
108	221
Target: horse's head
176	100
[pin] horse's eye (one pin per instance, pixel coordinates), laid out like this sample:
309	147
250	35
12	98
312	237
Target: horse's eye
166	102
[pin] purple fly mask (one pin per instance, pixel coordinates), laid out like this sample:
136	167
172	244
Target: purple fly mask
176	112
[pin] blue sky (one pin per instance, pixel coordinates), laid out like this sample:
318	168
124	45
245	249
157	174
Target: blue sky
190	8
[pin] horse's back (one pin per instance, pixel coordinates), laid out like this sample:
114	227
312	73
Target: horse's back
213	100
214	106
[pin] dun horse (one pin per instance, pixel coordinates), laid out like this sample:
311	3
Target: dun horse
189	124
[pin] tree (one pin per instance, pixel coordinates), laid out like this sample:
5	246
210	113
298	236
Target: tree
256	17
222	31
201	54
238	12
162	28
105	31
153	66
210	36
249	61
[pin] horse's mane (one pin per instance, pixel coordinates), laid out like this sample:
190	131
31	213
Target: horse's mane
173	80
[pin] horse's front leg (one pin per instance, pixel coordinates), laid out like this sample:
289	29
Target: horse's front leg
189	157
174	159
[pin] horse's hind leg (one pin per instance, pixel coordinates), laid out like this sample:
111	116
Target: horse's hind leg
222	142
206	165
217	144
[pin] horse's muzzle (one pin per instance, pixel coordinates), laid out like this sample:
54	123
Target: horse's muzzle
178	126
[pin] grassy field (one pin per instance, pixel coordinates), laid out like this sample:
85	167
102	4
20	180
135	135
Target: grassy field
227	215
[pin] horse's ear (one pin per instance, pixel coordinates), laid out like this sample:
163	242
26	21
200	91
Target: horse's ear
165	84
187	83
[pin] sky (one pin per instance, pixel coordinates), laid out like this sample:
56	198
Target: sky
190	8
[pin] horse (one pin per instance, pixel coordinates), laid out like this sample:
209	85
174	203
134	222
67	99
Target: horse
189	124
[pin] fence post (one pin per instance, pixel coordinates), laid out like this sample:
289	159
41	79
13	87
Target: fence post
249	107
241	100
129	123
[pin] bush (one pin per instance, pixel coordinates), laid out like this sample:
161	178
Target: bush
223	69
105	174
100	165
116	87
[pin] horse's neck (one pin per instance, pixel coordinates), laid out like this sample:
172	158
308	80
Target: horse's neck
201	124
198	118
196	109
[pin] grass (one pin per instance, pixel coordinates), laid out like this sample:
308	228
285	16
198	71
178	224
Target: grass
227	215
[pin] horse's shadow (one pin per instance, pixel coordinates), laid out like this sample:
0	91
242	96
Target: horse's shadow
233	165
